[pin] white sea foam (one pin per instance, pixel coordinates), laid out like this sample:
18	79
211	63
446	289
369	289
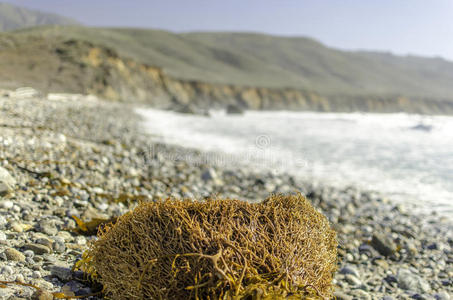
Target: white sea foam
407	157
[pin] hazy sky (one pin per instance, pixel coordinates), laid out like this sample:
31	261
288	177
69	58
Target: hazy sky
423	27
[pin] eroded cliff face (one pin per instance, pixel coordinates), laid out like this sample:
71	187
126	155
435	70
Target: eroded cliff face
124	79
81	67
127	80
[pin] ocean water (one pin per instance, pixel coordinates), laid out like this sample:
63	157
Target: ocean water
406	158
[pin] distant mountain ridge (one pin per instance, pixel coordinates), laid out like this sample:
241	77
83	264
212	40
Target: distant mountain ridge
14	17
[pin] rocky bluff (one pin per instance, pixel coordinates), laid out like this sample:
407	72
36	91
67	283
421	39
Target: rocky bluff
78	66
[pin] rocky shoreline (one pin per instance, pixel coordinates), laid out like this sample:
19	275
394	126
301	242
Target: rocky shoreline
70	155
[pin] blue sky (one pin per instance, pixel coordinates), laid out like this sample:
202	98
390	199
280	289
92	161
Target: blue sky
423	27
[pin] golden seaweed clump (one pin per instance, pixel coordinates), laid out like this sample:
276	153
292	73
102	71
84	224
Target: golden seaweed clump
281	248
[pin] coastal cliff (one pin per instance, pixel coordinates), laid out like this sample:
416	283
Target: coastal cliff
122	78
79	66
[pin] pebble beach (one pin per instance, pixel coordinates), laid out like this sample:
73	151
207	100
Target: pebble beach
67	155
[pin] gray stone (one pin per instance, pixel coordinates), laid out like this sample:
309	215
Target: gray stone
342	296
7	182
20	278
351	279
383	244
381	263
360	294
6	293
97	190
443	295
45	241
6	204
19	227
391	279
2	236
16	209
234	109
3	222
61	271
59	245
187	109
6	270
14	255
208	175
412	282
29	253
80	240
50	259
30	261
48	227
366	249
421	297
436	246
349	257
37	248
349	269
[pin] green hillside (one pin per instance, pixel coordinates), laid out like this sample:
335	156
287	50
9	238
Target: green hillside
249	59
14	17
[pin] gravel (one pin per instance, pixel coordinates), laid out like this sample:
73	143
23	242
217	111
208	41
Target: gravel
84	157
